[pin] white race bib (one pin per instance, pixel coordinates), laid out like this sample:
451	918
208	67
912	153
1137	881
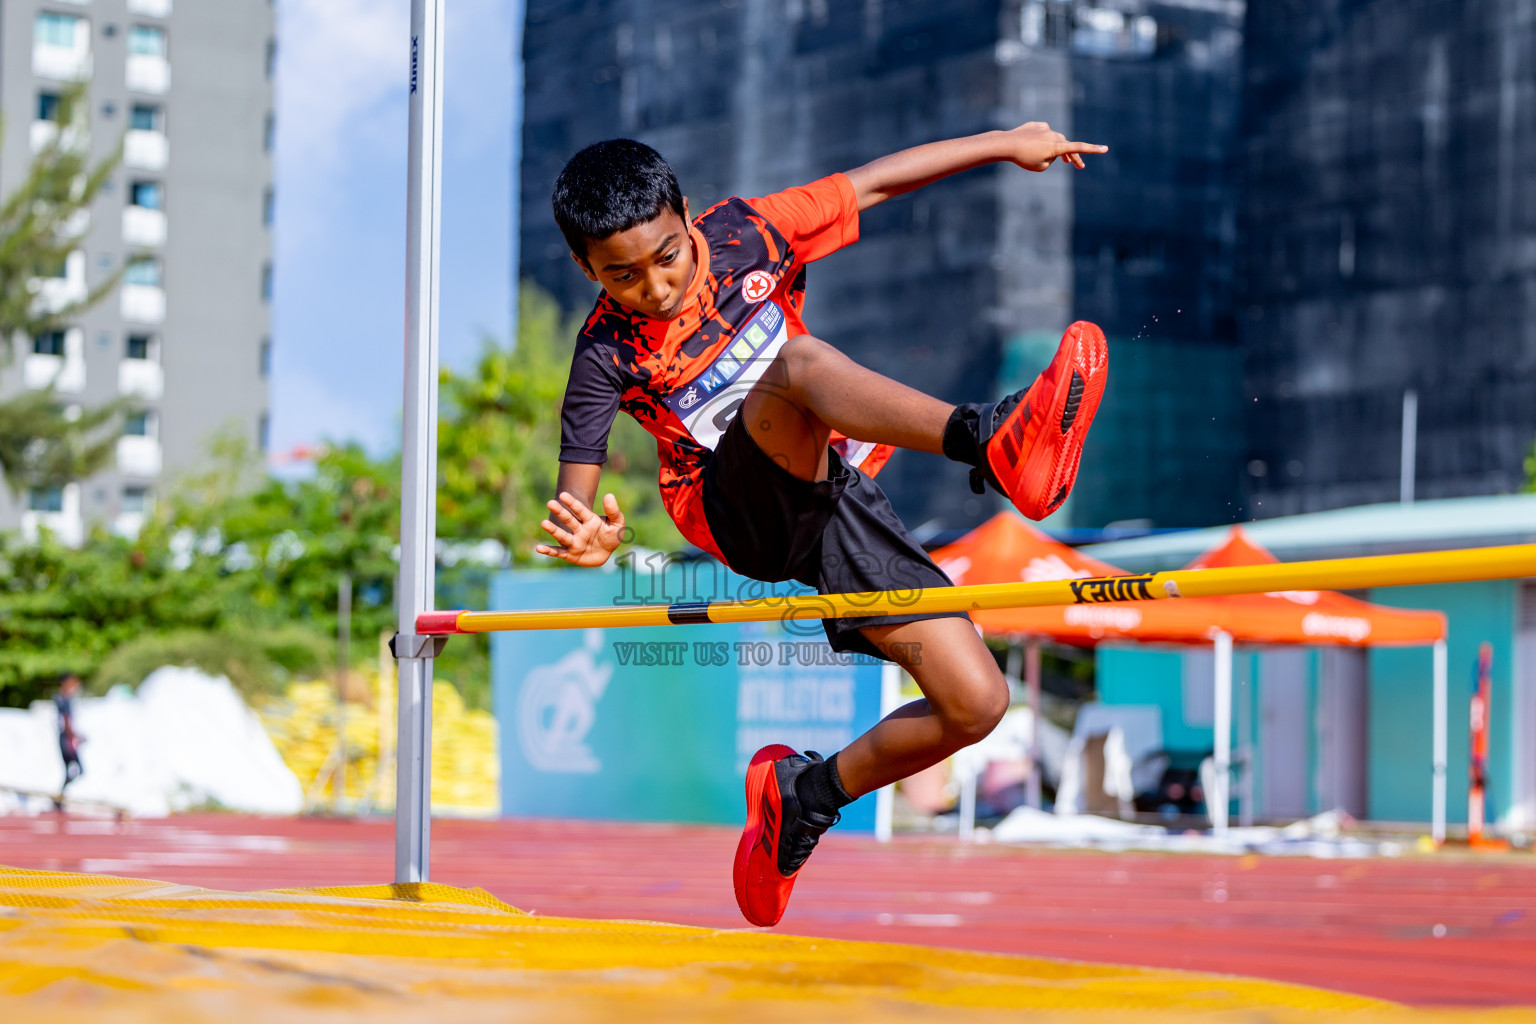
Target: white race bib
709	402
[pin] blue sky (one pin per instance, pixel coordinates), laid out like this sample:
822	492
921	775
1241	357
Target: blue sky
339	239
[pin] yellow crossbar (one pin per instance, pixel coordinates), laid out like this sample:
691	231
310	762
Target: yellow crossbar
1510	562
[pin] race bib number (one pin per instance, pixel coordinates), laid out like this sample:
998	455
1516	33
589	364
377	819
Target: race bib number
709	402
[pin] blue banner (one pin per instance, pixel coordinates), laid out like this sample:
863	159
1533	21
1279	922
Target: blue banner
659	723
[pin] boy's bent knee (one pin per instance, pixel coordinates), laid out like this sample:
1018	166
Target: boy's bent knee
974	720
802	350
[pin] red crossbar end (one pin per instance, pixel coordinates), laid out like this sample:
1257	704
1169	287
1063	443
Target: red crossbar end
437	623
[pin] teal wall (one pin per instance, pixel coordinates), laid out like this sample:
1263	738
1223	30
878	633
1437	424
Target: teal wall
1401	709
1402	702
1167	443
1155	675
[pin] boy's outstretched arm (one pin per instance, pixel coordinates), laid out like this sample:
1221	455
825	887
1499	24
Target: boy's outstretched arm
1033	146
583	536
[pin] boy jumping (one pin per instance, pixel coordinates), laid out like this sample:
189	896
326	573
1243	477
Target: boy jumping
769	437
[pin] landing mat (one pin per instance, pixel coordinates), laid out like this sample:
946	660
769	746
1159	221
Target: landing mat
107	949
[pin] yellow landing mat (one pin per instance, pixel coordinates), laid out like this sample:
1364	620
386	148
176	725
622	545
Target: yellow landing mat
92	947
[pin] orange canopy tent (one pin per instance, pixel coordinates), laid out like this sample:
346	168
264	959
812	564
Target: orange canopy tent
1005	549
1312	616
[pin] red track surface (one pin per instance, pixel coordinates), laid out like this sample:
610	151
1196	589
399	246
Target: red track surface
1366	926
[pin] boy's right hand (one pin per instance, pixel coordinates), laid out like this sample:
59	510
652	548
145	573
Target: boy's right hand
585	537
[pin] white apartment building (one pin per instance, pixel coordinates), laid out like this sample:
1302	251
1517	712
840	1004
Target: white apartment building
185	86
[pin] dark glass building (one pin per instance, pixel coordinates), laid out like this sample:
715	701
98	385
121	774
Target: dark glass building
964	288
1389	244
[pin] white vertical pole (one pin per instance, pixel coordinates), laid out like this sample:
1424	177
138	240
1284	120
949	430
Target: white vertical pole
1410	453
1437	811
343	662
1032	795
885	797
966	828
418	450
1223	748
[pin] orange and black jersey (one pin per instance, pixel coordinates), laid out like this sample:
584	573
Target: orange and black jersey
683	380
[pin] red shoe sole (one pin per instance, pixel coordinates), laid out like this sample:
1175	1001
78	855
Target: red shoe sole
1042	482
762	908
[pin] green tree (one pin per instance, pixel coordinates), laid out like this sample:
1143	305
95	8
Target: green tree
43	444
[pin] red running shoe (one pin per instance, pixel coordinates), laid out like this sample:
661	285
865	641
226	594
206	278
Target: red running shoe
1028	445
779	836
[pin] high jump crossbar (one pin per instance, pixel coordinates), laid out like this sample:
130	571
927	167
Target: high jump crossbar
1509	562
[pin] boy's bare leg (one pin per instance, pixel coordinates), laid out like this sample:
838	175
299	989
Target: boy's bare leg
964	697
811	388
808	390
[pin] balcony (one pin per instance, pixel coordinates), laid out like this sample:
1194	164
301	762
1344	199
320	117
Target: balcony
143	227
153	8
62	63
43	134
138	456
148	74
146	151
54	294
65	524
141	378
65	374
143	304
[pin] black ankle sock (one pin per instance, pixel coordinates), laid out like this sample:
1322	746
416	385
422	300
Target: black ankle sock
819	789
962	435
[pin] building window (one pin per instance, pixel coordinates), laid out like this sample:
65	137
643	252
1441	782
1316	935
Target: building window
147	194
145	272
135	500
49	343
136	424
48	106
138	346
268	206
271	57
264	359
266	283
146	41
264	432
147	117
55	30
268	133
46	499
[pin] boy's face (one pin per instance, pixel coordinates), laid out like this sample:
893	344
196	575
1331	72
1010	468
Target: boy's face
647	268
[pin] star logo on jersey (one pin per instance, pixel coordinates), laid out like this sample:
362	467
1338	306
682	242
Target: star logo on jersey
757	286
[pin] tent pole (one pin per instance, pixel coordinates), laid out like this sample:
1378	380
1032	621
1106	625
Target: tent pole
1437	813
885	796
418	449
1218	800
1032	785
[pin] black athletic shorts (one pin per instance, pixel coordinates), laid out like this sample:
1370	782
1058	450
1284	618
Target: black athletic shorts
838	535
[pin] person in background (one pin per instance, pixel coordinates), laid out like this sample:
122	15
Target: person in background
69	739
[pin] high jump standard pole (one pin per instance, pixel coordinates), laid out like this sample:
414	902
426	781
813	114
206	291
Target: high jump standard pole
418	447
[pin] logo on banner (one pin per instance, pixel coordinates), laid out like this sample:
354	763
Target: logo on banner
757	286
558	707
690	398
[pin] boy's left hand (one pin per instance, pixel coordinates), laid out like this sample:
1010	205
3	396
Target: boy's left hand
1034	147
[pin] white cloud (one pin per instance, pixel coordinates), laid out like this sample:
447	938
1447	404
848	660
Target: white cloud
339	63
